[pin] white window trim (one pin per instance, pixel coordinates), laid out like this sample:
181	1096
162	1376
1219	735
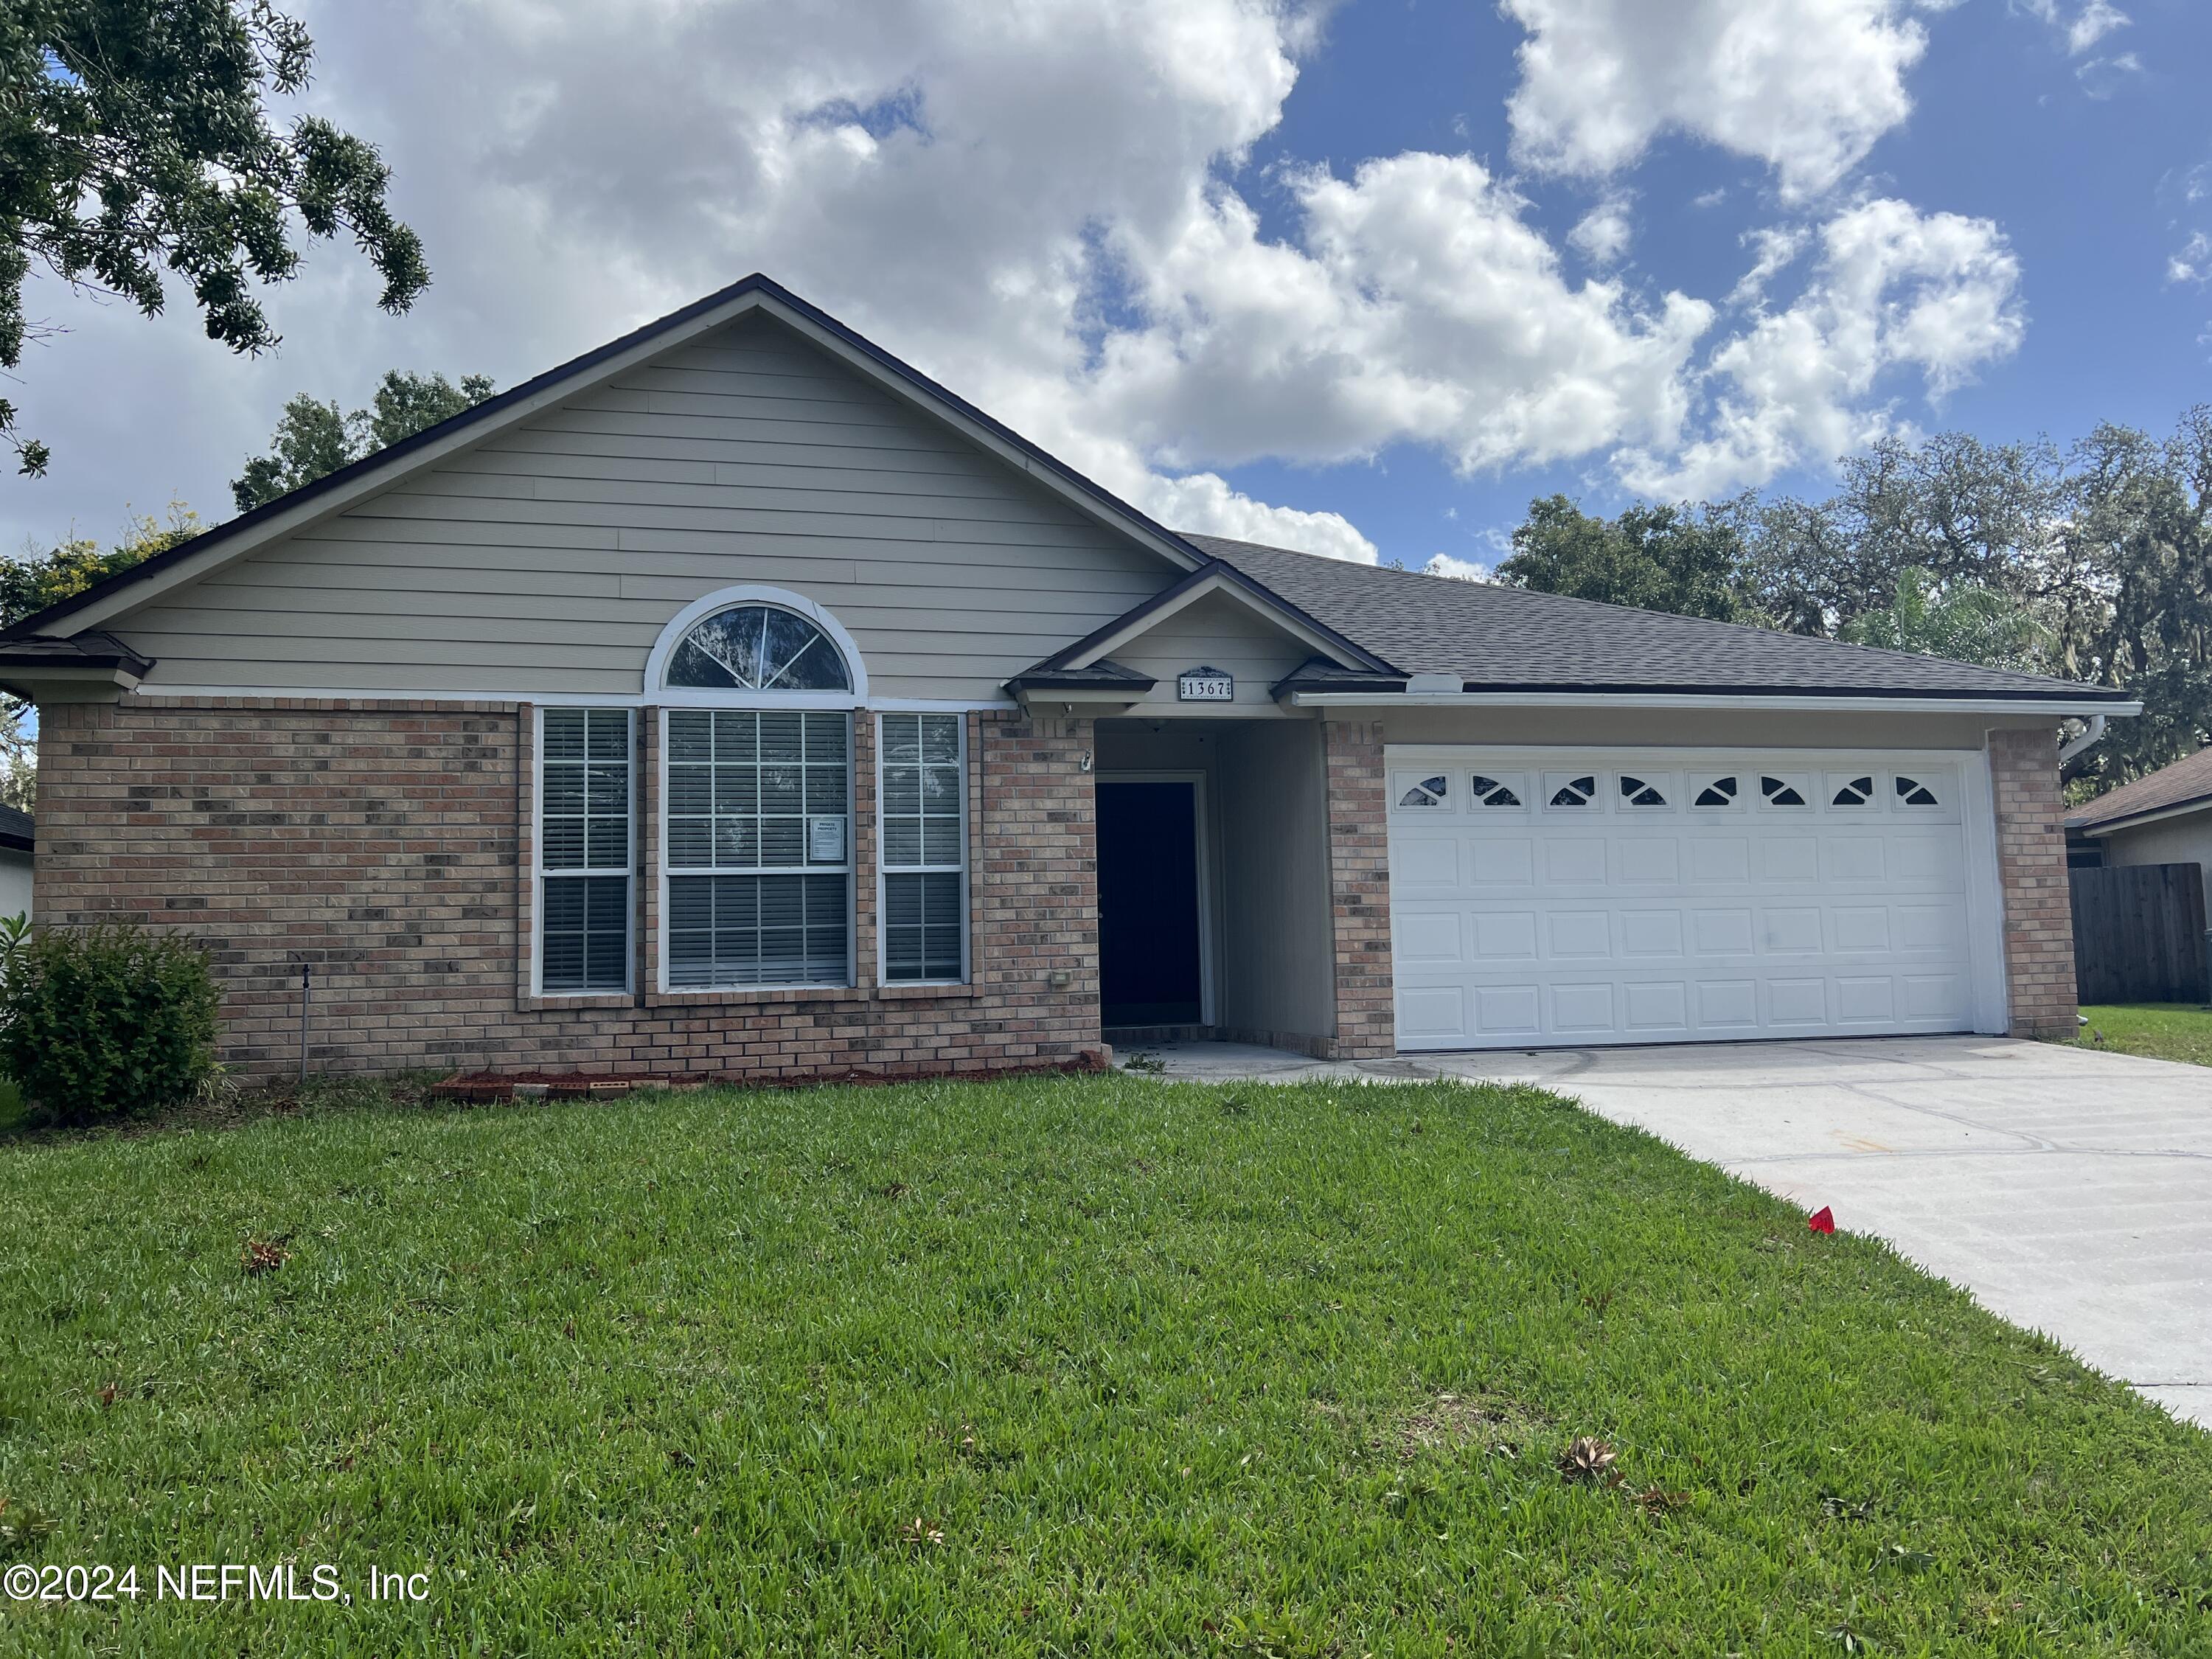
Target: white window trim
749	702
656	662
539	872
883	869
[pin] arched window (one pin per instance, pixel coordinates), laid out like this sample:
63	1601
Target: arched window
757	647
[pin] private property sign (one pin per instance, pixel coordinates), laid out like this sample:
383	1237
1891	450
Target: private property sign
1205	685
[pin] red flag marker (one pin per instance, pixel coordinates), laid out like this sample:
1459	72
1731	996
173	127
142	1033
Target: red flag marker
1822	1220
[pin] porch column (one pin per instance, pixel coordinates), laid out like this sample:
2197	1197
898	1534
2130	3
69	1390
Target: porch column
1360	889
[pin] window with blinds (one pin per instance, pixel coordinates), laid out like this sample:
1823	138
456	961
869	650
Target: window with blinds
760	871
585	804
923	805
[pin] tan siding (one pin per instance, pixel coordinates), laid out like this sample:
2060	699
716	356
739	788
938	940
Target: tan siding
550	558
1216	632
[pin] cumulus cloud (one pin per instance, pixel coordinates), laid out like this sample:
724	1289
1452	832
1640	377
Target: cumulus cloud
1468	570
1806	86
1035	204
1892	290
1419	305
1602	234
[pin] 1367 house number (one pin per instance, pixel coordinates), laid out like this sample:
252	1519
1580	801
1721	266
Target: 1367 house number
1205	685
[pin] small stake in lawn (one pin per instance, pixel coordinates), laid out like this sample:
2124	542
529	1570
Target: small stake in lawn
1822	1220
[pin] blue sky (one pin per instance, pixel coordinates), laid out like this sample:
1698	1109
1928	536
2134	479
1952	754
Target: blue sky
2085	174
1361	279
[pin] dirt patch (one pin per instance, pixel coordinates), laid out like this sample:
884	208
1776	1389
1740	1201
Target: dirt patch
1448	1422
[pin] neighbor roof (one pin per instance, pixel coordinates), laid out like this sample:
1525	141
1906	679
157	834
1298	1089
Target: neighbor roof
18	830
1507	639
2184	783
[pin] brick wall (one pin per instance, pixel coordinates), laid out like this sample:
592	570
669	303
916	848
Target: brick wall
1360	889
2039	921
386	847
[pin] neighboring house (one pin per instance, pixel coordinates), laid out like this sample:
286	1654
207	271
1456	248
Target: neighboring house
18	845
2163	818
734	699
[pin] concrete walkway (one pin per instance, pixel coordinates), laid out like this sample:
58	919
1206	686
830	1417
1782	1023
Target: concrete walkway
2071	1191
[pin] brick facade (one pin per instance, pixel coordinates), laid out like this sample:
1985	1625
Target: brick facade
386	847
1359	890
2038	919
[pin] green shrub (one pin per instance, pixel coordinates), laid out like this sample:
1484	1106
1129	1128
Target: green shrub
96	1022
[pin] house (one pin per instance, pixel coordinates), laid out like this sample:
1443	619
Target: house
2163	818
735	699
18	850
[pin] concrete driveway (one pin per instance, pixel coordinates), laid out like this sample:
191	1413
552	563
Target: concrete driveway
2070	1191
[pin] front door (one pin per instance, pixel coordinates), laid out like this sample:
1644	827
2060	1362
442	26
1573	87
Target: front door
1149	960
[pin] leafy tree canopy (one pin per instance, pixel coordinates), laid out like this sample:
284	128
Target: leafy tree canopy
2092	563
134	136
1657	558
1963	621
313	438
28	585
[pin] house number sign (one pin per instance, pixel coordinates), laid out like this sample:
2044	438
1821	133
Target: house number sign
1205	685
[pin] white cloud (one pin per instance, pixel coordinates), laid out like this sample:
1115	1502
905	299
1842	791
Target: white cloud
2084	28
2194	263
1893	290
2105	78
1418	306
1778	247
1444	564
1031	204
1806	86
1602	234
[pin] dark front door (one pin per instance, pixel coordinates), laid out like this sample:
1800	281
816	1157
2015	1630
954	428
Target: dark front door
1148	960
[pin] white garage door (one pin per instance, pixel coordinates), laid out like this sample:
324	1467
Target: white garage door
1573	898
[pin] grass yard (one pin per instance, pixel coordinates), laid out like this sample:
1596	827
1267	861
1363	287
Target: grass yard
2163	1030
1066	1366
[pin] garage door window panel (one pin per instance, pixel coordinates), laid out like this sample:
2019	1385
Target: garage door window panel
1426	794
1647	793
1912	791
1853	792
1785	791
1571	791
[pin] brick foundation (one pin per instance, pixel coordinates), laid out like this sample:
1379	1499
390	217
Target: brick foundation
1359	890
2038	919
386	847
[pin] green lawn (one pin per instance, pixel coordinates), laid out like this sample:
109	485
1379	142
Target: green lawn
2163	1030
1055	1366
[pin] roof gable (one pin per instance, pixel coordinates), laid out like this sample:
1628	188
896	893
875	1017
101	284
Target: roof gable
349	486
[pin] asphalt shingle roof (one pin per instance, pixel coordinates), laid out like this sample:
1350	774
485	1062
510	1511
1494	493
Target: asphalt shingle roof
1499	638
2177	784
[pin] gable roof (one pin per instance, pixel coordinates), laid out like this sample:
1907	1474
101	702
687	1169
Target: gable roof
2185	784
18	830
1215	576
331	494
1491	638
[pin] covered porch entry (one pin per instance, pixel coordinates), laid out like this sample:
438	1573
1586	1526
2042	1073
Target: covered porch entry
1214	917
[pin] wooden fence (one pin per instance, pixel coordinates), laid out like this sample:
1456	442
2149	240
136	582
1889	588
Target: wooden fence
2139	934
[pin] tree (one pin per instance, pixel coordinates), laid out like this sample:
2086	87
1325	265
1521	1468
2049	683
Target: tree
313	438
134	136
1960	509
1658	558
1963	621
28	586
